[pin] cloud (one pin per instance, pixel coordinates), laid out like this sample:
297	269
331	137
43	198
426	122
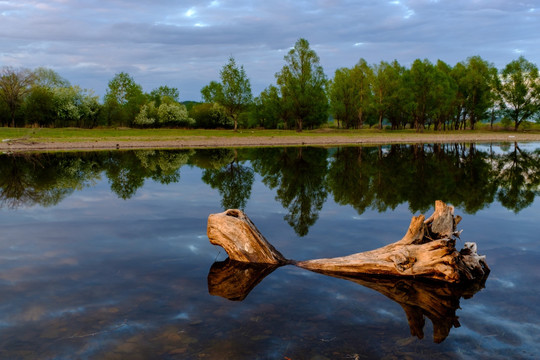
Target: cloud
184	44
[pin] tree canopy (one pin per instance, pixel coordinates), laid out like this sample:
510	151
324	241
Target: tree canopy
234	91
302	83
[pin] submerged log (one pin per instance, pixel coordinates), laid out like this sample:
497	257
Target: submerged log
427	250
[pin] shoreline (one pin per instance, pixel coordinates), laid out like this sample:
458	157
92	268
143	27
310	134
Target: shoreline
29	145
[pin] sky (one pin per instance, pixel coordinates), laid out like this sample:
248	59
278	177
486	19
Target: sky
185	43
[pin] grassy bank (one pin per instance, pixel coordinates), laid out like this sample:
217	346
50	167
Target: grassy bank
80	135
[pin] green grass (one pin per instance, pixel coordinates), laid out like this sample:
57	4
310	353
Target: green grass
125	134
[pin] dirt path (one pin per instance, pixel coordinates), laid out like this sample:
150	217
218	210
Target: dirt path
197	142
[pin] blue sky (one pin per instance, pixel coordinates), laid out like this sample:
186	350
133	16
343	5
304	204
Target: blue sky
185	43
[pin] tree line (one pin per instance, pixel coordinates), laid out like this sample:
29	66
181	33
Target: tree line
425	95
377	178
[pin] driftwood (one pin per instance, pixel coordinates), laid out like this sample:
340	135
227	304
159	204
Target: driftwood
236	233
426	251
437	301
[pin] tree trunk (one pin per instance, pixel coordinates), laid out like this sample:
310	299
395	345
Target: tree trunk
299	125
426	251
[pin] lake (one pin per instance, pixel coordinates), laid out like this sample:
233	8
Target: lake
104	255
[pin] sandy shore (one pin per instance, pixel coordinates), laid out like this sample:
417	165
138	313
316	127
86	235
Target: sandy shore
200	141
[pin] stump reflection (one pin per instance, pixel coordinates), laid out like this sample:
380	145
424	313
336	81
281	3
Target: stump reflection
438	301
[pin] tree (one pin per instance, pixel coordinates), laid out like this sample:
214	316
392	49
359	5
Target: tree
475	83
302	83
210	116
269	109
362	77
173	114
39	106
161	92
343	96
147	115
233	93
398	95
428	85
123	99
520	91
49	78
14	86
384	83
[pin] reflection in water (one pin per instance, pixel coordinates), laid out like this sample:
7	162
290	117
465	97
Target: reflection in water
298	174
234	280
233	181
470	177
437	301
98	277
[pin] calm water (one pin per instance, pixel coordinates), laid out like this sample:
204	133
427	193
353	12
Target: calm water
105	256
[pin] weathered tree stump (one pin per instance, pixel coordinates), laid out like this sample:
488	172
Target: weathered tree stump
426	251
236	233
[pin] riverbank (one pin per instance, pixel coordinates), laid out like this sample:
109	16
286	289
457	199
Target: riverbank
76	139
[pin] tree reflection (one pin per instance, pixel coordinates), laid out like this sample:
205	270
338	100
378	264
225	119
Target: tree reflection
519	178
27	180
128	170
233	181
381	178
376	178
299	174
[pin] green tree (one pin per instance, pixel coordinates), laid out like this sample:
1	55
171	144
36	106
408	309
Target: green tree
147	116
362	76
269	110
39	106
15	84
386	83
49	78
398	95
520	91
344	98
209	116
477	88
123	99
302	83
445	90
161	92
171	113
233	93
430	87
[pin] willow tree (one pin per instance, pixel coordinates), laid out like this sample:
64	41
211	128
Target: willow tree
302	83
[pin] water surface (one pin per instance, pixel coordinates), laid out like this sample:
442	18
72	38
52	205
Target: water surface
105	256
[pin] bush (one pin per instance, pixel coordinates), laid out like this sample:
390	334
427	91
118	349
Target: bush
210	116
